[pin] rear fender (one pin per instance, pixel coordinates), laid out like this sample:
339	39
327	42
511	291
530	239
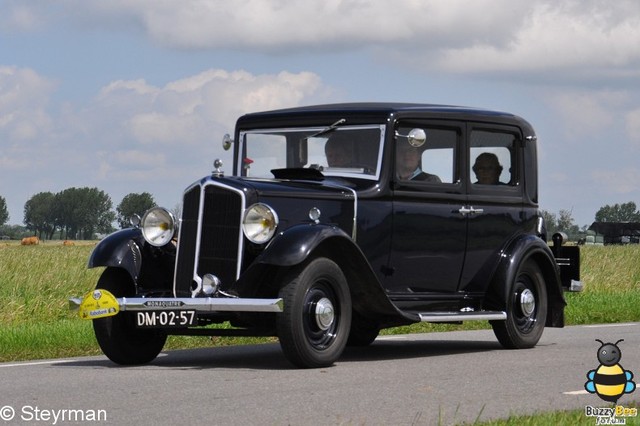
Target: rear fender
121	250
523	249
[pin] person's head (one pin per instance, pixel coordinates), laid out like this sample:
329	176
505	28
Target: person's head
408	159
337	152
487	169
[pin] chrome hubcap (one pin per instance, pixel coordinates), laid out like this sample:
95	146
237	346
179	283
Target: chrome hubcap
324	313
527	302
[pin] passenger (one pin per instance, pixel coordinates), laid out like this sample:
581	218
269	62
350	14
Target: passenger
408	164
487	169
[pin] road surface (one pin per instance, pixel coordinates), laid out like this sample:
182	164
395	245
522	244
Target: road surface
422	379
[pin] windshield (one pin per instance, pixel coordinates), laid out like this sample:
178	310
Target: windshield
347	151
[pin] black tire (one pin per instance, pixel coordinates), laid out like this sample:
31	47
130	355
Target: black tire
526	310
117	335
314	325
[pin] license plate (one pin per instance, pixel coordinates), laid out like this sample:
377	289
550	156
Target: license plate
165	319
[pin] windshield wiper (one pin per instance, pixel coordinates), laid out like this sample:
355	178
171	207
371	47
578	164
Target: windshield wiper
328	129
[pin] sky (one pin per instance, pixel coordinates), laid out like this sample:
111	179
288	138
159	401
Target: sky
136	95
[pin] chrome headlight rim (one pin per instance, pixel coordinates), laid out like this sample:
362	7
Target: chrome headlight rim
158	226
259	223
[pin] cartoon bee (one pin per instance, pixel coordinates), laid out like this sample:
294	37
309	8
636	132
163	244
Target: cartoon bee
610	381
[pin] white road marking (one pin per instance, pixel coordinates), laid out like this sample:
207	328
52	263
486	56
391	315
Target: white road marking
578	392
28	364
611	325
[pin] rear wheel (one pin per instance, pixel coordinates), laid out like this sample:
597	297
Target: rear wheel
117	335
314	325
526	310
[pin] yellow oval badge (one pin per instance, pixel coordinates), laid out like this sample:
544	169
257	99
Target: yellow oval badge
98	303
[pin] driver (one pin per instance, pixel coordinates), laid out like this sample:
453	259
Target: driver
408	165
337	152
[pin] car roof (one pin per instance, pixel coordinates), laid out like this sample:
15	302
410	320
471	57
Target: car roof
377	109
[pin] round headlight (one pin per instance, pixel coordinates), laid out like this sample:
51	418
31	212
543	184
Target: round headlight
259	223
158	226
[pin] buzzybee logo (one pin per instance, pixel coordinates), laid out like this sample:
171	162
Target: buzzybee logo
610	381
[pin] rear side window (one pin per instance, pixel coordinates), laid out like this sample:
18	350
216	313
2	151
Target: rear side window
493	158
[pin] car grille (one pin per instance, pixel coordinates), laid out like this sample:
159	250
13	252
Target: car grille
217	231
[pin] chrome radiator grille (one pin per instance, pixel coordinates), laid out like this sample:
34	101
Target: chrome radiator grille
209	243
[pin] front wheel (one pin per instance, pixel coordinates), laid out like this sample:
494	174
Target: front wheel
526	310
314	326
117	335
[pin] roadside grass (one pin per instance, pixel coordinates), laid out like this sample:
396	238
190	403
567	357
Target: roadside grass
572	417
37	281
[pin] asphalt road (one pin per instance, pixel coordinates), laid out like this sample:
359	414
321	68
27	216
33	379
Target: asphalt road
438	378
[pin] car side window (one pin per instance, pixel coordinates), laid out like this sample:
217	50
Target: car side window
433	162
492	158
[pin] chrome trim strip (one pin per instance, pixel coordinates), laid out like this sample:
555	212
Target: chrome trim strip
180	230
199	304
355	213
462	316
355	205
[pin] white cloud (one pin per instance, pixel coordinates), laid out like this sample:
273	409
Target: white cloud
191	110
456	36
23	100
559	35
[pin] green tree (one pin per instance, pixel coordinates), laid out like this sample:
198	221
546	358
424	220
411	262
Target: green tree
38	215
565	221
550	222
81	212
562	222
133	204
625	212
4	213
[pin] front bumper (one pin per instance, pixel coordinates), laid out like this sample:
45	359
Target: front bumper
208	304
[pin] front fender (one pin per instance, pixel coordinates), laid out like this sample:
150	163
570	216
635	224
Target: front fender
295	244
120	250
301	242
525	248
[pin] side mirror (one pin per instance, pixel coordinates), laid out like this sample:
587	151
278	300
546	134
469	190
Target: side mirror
416	137
227	142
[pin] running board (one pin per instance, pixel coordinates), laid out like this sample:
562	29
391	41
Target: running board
463	316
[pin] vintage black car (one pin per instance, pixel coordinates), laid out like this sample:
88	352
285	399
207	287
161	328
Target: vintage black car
338	221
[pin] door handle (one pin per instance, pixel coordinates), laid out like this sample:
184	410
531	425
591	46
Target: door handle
464	211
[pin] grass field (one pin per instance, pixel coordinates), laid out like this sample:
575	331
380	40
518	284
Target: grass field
36	282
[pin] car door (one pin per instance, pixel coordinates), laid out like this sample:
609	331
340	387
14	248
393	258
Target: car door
495	195
429	233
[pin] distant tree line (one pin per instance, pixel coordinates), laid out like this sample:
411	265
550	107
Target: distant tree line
74	213
563	221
